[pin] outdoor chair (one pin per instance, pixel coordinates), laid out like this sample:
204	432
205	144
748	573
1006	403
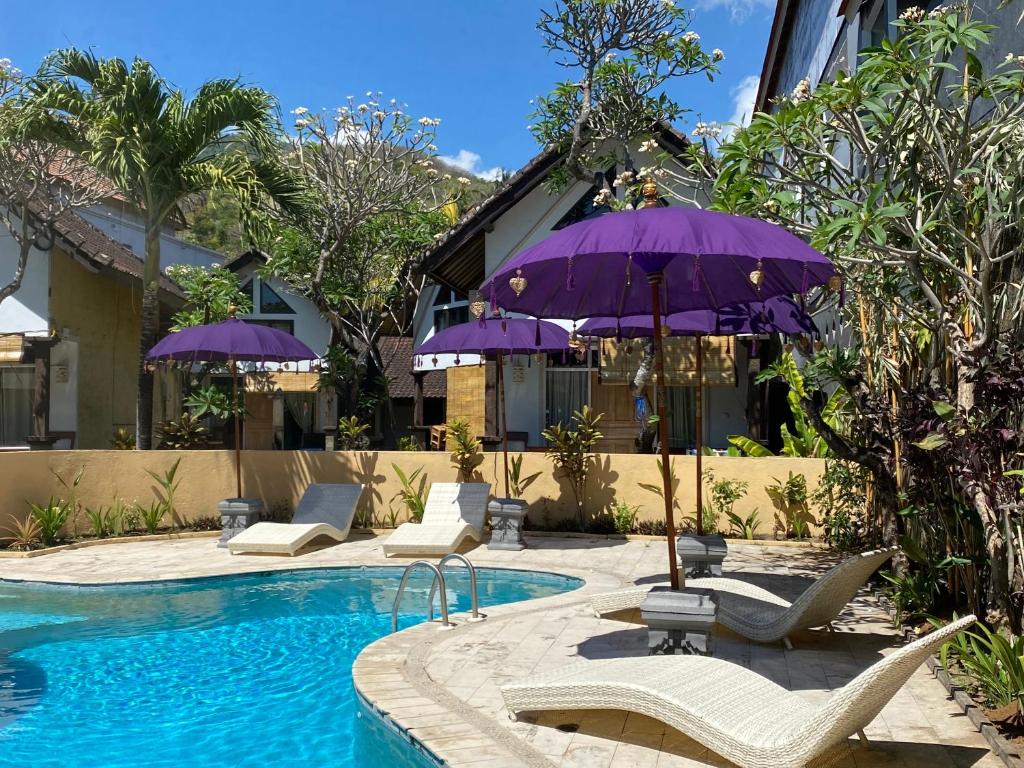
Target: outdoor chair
453	512
733	711
763	616
324	510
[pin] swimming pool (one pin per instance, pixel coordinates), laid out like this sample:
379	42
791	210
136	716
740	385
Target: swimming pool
250	670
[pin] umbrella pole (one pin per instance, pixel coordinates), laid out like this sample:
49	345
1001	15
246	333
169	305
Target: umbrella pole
666	469
504	421
238	428
698	429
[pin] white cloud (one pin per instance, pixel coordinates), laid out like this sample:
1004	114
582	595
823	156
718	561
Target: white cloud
738	9
743	96
470	163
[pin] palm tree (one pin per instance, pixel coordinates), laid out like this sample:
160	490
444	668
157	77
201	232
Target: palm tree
159	150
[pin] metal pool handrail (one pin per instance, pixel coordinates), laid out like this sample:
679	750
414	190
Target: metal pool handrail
475	614
438	577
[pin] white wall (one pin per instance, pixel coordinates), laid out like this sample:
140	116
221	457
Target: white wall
28	310
64	385
310	327
125	227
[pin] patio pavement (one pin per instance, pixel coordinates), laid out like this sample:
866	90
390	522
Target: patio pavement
443	686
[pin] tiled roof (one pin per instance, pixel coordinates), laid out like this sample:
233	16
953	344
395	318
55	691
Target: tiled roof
98	248
396	354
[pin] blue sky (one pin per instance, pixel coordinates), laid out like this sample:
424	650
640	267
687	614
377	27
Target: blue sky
474	63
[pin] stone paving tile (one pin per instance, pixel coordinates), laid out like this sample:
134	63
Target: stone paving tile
445	687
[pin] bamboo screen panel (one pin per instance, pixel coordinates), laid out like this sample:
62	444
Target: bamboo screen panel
619	367
467	397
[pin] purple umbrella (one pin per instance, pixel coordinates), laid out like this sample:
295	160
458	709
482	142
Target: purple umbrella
657	261
498	336
231	341
778	315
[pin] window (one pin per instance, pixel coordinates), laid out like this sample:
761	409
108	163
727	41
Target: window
16	383
450	308
288	326
247	288
682	406
271	303
584	208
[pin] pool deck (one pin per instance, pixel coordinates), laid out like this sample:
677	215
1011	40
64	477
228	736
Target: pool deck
442	687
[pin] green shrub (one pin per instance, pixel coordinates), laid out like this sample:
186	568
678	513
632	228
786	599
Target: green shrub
744	528
464	446
168	485
151	516
790	497
413	497
724	495
624	517
993	663
51	518
352	434
570	451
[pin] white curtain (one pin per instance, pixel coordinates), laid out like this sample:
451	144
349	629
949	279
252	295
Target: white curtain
15	404
301	408
565	393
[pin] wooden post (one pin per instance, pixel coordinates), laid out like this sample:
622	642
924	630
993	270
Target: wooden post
503	416
666	468
698	429
238	427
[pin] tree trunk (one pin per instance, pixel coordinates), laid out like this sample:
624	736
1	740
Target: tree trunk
149	327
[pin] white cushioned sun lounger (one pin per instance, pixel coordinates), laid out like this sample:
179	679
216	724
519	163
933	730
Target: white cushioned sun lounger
453	512
763	616
735	712
326	509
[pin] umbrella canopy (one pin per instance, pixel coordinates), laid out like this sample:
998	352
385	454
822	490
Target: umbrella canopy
507	336
232	339
599	267
778	315
498	336
657	261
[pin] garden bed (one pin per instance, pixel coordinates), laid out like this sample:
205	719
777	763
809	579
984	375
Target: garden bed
1005	739
94	542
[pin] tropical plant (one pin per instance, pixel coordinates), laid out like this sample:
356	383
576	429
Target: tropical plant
659	490
100	521
210	294
464	446
743	527
993	664
26	532
414	496
70	496
183	433
408	443
790	498
212	401
841	501
159	149
168	484
724	495
517	483
624	517
122	440
570	450
51	517
925	227
151	516
352	434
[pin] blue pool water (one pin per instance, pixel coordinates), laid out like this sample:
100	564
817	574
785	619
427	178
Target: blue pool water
232	671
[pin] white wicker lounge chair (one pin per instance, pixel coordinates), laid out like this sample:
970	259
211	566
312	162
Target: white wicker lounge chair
453	512
763	616
324	510
733	711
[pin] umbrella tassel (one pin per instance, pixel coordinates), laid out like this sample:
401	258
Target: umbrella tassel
629	270
805	283
536	336
570	281
695	283
494	299
618	331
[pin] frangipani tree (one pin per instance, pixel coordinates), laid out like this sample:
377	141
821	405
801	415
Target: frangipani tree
39	180
911	172
373	205
620	55
158	149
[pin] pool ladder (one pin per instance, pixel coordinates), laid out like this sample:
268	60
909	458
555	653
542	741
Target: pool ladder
438	580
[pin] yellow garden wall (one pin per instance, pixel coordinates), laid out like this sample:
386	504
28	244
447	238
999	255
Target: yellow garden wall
280	476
